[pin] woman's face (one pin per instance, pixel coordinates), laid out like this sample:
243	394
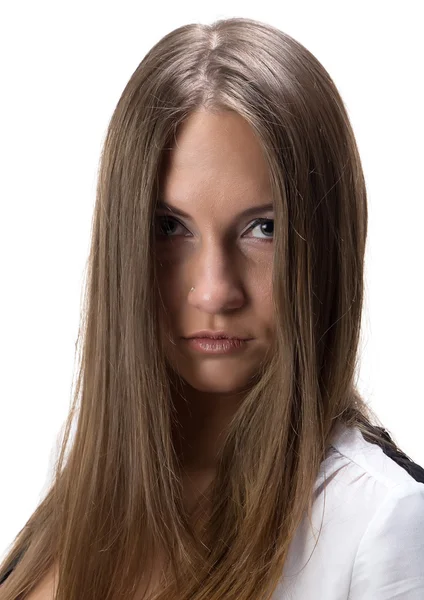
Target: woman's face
215	187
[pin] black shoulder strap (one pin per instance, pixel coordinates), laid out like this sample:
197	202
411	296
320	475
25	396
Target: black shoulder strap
10	568
416	471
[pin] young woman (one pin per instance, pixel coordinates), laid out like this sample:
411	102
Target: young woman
221	449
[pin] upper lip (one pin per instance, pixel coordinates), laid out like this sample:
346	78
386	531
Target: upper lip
207	333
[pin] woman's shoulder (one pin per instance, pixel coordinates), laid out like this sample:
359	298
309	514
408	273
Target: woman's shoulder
358	479
367	515
386	465
360	484
385	502
44	590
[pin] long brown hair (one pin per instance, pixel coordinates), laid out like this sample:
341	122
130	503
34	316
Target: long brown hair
116	495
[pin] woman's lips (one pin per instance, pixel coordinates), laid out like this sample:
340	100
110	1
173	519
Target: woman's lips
216	346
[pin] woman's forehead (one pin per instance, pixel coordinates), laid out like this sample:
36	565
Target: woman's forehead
223	142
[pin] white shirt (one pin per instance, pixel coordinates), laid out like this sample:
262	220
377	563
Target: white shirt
371	545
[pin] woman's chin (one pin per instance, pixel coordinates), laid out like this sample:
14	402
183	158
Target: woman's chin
217	375
218	382
211	388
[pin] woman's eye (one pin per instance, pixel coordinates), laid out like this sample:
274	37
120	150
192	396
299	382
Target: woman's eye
265	228
166	226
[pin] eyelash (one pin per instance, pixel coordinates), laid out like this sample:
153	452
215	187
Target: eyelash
253	225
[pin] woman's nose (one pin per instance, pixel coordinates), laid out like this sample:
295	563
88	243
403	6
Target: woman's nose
217	284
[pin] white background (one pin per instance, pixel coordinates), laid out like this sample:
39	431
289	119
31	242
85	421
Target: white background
63	67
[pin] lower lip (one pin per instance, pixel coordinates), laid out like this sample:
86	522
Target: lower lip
214	346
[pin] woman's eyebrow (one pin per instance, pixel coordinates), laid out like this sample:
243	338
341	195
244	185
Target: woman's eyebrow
257	208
